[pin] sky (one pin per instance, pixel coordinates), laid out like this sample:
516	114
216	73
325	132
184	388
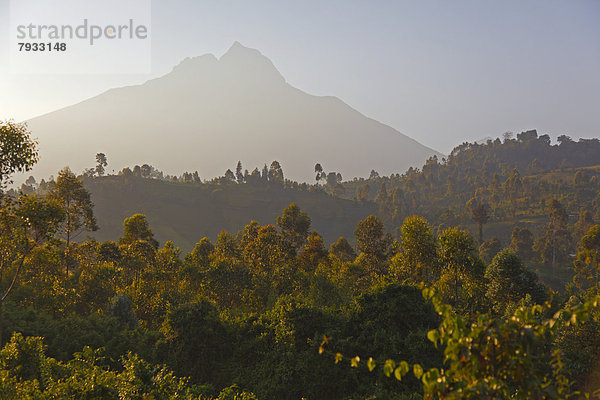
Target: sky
441	72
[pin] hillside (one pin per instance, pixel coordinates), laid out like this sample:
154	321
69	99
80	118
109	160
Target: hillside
185	213
272	310
207	113
521	183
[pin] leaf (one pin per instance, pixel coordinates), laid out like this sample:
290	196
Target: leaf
388	367
427	293
404	368
418	371
398	374
433	335
371	364
338	357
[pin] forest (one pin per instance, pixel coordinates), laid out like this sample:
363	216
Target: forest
476	276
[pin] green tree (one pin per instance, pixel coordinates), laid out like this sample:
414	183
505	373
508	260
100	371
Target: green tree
15	246
343	250
371	237
229	176
77	204
239	176
227	246
499	358
319	172
23	226
28	374
373	243
491	357
136	228
195	339
275	173
200	254
513	188
587	263
362	193
509	281
479	215
554	246
417	259
521	242
462	270
294	224
270	259
43	214
583	224
109	252
312	253
101	163
333	178
18	151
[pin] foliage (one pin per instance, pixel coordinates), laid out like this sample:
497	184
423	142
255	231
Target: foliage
18	151
491	357
242	316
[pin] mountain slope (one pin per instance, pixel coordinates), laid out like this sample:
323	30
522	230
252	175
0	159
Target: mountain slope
208	113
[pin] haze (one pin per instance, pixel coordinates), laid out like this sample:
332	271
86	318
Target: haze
207	113
440	72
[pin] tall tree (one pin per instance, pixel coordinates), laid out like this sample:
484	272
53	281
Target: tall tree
479	215
332	179
373	243
76	202
462	270
136	228
417	259
587	264
23	226
239	176
343	250
362	193
312	253
319	172
510	281
101	163
521	242
583	224
265	173
18	151
554	246
229	176
294	224
275	172
200	254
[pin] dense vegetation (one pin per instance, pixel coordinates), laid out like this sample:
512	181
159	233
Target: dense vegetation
269	311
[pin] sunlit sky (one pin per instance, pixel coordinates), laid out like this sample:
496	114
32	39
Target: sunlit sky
442	72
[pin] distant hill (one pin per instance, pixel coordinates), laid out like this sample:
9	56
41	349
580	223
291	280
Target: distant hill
208	113
185	213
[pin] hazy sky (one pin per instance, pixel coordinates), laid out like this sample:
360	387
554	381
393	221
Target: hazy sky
441	72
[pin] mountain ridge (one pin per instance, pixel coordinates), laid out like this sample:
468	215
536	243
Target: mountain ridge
227	104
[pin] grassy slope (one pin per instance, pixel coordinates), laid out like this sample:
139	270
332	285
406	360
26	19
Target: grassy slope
185	213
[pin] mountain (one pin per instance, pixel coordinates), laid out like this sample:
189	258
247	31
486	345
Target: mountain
208	113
